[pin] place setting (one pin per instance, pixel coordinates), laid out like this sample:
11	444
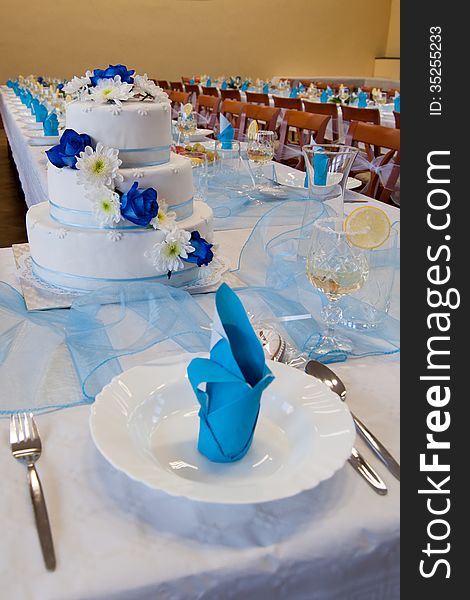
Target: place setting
200	323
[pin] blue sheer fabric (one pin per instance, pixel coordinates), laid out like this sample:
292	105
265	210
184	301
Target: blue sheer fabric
58	358
272	265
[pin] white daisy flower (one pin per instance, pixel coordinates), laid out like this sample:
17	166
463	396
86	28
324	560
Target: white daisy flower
111	90
165	219
76	85
99	167
106	206
166	256
146	87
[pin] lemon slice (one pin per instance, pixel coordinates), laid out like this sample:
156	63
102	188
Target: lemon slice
253	130
367	227
187	109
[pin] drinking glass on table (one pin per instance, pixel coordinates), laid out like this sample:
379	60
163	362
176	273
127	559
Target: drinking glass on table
344	94
381	98
336	267
187	126
260	151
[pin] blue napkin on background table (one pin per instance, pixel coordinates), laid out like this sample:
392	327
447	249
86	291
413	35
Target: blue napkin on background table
266	88
245	86
235	377
209	82
191	81
224	85
41	113
34	104
362	99
324	96
294	92
396	104
227	133
51	125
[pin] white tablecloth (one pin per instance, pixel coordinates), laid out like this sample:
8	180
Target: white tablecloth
118	540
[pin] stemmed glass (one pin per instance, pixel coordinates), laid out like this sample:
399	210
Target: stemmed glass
344	94
336	267
260	151
186	125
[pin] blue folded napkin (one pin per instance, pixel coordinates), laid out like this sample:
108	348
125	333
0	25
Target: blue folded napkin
51	125
28	98
294	92
362	99
235	377
324	96
191	81
224	85
266	88
10	83
41	113
245	85
396	104
329	91
34	104
226	134
301	87
209	82
320	167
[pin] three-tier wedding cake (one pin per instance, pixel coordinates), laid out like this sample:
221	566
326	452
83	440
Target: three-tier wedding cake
121	204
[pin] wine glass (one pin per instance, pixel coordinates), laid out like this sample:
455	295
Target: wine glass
336	267
260	151
186	125
344	94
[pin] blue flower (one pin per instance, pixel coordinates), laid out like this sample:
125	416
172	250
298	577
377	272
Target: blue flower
60	86
139	206
202	254
111	72
66	152
40	79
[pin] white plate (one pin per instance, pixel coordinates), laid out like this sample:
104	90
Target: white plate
295	179
37	138
200	135
145	423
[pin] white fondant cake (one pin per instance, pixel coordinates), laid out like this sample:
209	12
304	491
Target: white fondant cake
76	245
141	131
85	259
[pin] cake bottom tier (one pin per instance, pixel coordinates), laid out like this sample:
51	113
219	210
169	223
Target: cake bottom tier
86	259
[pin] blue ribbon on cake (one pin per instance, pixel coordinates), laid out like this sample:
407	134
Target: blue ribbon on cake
235	377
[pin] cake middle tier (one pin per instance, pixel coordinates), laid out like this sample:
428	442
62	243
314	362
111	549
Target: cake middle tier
85	259
173	181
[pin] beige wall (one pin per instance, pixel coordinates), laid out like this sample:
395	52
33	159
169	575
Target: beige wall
393	38
169	38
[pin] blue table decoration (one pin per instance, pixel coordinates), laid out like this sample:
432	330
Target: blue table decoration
51	125
294	92
324	97
266	88
362	99
226	134
40	113
396	104
235	377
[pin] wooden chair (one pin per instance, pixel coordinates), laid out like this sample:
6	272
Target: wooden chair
306	126
326	108
375	139
177	86
231	95
288	103
177	100
163	83
193	90
365	115
257	98
265	115
232	109
208	108
397	119
210	91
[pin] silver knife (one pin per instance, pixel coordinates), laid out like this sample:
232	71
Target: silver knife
378	448
367	472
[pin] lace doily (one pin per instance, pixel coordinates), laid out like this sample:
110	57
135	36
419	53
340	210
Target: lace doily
208	279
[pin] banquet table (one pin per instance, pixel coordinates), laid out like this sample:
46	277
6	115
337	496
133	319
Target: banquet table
119	540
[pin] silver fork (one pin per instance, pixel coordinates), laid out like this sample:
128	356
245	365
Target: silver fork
26	446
